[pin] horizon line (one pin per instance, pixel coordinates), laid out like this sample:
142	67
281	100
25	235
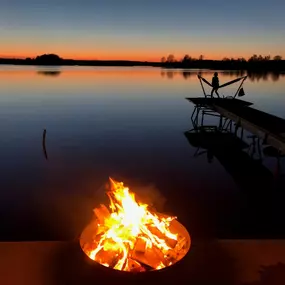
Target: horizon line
120	60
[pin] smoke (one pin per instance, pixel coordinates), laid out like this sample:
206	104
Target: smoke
64	214
148	194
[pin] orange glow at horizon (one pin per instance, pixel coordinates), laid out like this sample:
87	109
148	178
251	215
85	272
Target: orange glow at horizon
125	55
110	56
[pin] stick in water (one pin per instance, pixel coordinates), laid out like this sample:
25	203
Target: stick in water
44	144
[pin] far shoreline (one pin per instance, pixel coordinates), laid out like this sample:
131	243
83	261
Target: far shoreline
256	66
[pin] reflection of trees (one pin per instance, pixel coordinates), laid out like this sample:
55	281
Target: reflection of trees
235	73
275	76
170	74
252	75
50	73
200	73
265	76
256	76
186	74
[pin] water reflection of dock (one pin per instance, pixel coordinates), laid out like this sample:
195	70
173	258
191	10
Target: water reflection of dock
240	155
266	127
230	150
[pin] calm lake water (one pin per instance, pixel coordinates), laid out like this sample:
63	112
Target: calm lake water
127	123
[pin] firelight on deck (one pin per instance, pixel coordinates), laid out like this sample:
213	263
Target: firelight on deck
128	236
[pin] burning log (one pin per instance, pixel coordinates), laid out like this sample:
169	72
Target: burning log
149	258
181	244
171	256
141	245
134	266
155	231
109	258
152	255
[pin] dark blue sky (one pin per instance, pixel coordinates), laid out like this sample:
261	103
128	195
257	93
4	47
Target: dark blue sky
142	29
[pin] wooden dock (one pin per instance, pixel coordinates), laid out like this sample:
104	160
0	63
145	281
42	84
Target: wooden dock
269	128
210	102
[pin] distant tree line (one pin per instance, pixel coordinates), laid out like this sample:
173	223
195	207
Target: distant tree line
53	59
187	58
254	62
45	59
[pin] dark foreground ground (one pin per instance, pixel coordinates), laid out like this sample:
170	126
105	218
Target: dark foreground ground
240	262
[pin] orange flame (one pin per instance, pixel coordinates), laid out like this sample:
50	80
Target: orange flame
128	226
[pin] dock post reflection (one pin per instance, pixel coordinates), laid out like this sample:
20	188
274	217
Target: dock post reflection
241	155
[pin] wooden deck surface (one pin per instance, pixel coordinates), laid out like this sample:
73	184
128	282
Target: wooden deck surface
212	101
238	262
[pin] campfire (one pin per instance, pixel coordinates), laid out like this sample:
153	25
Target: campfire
129	236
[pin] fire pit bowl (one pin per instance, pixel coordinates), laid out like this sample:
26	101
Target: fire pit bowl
130	237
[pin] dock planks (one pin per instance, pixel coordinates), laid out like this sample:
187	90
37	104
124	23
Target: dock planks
268	127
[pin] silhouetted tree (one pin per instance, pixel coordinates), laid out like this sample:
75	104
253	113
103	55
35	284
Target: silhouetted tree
186	59
201	57
163	59
52	59
170	58
226	59
241	59
277	57
267	57
264	58
253	58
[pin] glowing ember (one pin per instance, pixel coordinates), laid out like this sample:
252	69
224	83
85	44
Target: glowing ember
129	237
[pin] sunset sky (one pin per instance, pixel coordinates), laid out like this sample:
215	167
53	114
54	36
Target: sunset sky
141	29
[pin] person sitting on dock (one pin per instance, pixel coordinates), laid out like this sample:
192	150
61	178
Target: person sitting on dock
215	84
